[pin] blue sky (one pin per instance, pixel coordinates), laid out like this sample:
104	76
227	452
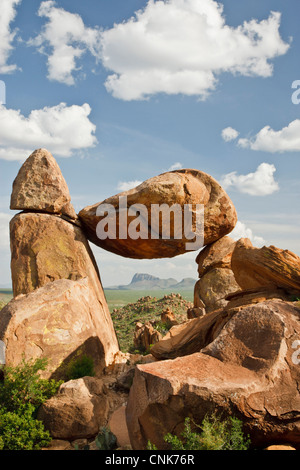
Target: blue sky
120	91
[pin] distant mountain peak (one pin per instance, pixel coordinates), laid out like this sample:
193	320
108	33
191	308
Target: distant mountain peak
143	277
147	281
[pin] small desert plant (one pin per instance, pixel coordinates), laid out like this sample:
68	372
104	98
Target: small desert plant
214	434
106	440
83	366
21	394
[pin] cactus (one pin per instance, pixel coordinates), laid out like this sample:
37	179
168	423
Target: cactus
106	440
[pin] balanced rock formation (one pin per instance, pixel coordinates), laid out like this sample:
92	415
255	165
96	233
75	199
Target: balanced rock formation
217	255
250	370
40	186
59	321
181	187
78	409
217	280
45	248
269	267
48	245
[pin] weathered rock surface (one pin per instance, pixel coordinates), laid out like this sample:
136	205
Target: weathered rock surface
254	296
177	187
214	287
78	410
118	426
191	336
265	267
249	370
45	248
145	335
217	280
59	321
167	316
40	186
216	255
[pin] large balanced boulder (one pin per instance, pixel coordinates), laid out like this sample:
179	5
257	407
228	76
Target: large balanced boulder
250	370
181	187
60	321
41	186
78	410
269	267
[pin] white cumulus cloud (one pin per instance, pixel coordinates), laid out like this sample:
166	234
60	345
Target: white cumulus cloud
7	15
242	231
64	39
61	129
268	140
171	46
259	183
175	166
4	230
181	46
126	185
229	134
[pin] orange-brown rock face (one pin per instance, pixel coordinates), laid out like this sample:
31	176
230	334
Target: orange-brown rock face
250	370
216	255
40	186
217	280
265	267
45	248
180	187
59	321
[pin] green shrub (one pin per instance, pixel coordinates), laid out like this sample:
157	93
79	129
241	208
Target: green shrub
22	431
21	394
83	366
106	440
215	434
23	386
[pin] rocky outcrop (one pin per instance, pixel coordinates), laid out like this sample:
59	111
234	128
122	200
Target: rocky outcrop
191	336
45	248
40	186
214	287
59	321
168	317
215	256
217	280
268	267
145	336
178	187
249	370
78	410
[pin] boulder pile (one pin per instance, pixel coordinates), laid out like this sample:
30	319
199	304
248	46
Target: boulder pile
59	308
237	353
